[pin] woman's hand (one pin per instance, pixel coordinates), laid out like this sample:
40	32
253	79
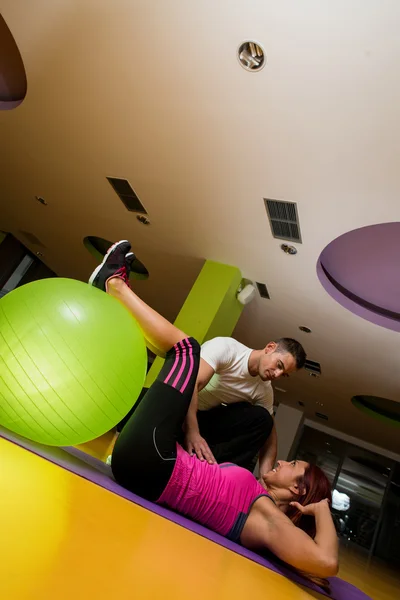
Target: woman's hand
311	509
195	444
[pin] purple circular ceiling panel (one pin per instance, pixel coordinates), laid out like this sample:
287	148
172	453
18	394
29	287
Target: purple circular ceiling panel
361	270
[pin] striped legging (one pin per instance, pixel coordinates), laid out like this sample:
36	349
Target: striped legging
145	452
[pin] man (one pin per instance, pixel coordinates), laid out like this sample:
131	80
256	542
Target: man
231	415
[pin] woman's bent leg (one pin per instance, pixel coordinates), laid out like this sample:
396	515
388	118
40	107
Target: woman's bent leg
161	334
145	452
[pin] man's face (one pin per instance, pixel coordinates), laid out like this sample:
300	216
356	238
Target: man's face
274	364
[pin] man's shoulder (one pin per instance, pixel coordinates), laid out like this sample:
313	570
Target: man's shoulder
224	352
227	342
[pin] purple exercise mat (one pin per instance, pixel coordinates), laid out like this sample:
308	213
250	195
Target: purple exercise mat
94	470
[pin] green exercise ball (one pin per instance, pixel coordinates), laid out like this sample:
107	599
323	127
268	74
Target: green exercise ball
72	362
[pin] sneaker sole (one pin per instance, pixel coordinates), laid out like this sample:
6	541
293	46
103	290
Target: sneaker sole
98	269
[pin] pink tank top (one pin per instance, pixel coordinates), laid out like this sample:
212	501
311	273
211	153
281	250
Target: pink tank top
217	496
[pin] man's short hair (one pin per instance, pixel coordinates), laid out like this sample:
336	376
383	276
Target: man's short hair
294	348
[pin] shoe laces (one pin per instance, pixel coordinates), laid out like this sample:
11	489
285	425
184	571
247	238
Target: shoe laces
123	273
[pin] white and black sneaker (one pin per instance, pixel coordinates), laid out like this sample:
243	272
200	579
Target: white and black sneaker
114	265
129	260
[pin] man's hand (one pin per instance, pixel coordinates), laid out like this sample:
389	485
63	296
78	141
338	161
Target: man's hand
194	443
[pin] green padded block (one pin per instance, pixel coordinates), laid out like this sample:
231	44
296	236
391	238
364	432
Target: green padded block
211	308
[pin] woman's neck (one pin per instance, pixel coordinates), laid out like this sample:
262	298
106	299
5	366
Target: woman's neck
281	503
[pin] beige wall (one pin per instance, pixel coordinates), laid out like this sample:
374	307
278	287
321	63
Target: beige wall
289	426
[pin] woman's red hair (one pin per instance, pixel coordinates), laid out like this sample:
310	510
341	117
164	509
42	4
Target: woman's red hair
314	486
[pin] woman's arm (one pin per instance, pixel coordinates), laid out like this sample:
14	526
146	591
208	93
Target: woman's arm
268	527
326	536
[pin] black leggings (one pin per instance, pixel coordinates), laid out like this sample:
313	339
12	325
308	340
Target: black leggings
145	452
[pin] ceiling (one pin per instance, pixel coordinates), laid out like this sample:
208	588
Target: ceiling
152	91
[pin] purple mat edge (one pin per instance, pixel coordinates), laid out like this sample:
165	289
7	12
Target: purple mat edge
94	470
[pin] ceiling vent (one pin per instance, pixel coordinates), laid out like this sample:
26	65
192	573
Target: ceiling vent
312	367
262	290
32	239
321	416
283	219
127	194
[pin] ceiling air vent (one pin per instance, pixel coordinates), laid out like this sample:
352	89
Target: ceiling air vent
321	416
262	290
126	193
283	219
313	367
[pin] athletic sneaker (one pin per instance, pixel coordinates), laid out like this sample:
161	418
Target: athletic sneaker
129	260
113	265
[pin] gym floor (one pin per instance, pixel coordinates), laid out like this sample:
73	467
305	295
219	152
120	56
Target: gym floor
376	579
63	537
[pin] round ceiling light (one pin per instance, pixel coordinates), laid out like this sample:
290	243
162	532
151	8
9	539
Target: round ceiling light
305	329
13	84
380	408
251	56
361	271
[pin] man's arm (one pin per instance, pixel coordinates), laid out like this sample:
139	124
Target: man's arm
268	453
193	440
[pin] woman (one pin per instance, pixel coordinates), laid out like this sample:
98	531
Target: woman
225	498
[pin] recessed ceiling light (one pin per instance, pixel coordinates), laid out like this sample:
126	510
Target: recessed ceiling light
251	56
288	249
305	329
41	200
142	219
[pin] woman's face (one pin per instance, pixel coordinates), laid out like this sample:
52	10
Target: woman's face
285	475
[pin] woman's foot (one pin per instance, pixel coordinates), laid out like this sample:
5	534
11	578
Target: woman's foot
114	265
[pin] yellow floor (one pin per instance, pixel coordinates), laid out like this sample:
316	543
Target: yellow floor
63	538
376	579
100	447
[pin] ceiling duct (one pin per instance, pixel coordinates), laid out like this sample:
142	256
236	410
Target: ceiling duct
127	195
284	221
262	290
312	367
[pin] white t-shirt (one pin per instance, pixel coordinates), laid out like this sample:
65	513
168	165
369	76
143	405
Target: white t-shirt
232	381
